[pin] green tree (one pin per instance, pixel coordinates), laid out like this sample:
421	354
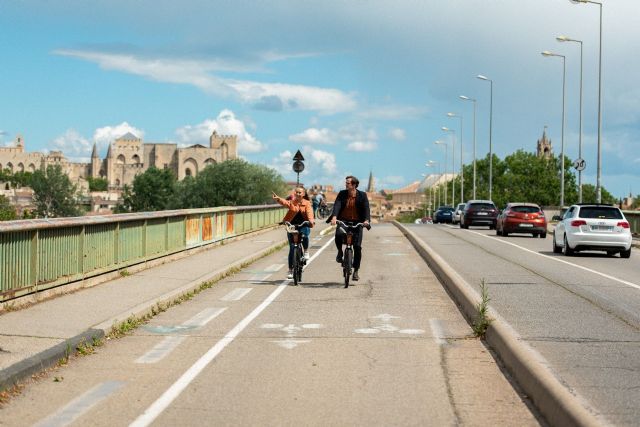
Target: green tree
589	195
97	184
7	211
53	193
153	190
231	183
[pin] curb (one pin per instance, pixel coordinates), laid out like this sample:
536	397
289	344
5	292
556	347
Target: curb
39	362
559	405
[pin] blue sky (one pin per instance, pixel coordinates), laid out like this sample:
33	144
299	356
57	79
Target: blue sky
357	86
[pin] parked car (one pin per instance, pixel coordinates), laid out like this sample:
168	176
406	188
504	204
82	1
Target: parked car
592	227
479	212
443	214
522	218
457	212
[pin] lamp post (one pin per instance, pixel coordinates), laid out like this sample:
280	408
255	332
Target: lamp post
481	77
568	39
547	53
466	98
461	157
445	168
599	166
453	163
429	164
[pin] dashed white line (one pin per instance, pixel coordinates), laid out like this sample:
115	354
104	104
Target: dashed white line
236	294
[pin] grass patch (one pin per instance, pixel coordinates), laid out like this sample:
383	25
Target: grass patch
124	273
482	322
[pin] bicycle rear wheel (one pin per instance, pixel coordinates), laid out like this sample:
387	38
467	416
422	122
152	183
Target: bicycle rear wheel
346	266
297	266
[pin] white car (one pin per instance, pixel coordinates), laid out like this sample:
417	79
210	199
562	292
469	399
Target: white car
457	212
592	227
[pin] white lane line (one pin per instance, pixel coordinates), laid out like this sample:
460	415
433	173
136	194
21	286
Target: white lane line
274	267
80	405
236	294
168	344
157	407
438	331
624	282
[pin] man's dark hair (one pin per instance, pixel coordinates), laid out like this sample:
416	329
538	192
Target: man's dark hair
354	180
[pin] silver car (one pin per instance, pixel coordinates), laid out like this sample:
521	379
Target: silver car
457	212
592	227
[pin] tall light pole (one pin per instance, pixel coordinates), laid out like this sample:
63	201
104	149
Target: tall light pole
599	167
466	98
547	53
461	157
445	168
429	164
580	160
481	77
453	163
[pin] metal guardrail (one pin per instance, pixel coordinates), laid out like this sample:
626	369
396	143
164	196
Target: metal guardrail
44	253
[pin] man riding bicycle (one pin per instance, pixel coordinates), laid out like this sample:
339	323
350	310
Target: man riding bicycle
300	210
351	206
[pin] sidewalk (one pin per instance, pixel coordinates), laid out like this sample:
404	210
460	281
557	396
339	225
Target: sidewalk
37	337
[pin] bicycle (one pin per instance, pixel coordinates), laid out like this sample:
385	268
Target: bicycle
323	211
298	251
347	257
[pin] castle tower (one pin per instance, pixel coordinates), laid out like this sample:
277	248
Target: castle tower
95	162
370	186
544	148
227	145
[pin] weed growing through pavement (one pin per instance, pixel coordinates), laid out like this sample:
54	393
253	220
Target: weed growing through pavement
482	322
124	273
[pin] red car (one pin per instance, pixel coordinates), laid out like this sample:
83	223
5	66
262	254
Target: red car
522	218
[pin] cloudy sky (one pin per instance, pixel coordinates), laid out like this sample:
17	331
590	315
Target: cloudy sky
356	85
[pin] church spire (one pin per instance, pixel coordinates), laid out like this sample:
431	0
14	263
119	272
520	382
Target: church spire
94	153
370	187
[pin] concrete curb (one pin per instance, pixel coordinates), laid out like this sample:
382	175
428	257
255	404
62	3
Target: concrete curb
22	370
556	403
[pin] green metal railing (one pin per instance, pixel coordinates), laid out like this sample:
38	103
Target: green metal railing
44	253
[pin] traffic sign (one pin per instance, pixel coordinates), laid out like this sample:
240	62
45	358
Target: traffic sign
580	164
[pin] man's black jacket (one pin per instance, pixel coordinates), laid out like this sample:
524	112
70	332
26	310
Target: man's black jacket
362	206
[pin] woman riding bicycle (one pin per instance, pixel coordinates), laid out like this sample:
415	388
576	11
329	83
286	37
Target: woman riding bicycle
300	210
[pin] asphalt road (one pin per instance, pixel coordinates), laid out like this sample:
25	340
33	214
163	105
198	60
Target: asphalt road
581	313
253	350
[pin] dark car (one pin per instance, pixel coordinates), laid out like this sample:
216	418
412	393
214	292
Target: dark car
522	218
443	214
479	212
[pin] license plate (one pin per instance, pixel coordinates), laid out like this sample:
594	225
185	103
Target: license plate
601	228
482	213
526	225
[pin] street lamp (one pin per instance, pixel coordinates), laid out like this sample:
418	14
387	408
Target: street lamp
599	166
466	98
461	158
445	168
453	163
548	54
481	77
580	160
429	164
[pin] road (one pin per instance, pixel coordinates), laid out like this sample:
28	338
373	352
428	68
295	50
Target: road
254	350
581	313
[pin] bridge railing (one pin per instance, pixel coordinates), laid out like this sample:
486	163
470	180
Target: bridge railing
39	254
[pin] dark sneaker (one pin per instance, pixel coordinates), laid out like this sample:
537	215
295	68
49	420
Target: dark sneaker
339	258
355	275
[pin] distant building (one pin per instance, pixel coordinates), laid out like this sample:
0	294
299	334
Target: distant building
126	157
544	148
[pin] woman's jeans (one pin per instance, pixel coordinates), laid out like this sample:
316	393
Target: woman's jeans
304	233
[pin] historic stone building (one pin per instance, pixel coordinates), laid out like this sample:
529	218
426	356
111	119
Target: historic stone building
126	157
544	148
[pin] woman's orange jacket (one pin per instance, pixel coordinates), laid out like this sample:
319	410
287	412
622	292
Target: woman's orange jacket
304	208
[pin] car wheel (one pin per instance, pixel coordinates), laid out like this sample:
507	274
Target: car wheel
566	249
542	235
504	233
625	254
556	249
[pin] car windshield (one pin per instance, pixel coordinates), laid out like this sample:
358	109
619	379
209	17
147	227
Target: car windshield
482	206
446	209
600	212
526	209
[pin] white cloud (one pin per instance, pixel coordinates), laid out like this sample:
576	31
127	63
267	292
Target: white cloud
315	136
225	124
266	96
325	161
397	134
361	146
106	135
73	145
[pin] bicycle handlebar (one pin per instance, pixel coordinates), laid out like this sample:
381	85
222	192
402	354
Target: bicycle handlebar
295	226
360	224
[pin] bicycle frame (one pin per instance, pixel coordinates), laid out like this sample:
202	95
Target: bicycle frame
347	258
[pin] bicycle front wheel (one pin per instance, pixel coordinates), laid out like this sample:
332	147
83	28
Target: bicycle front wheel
297	266
347	264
